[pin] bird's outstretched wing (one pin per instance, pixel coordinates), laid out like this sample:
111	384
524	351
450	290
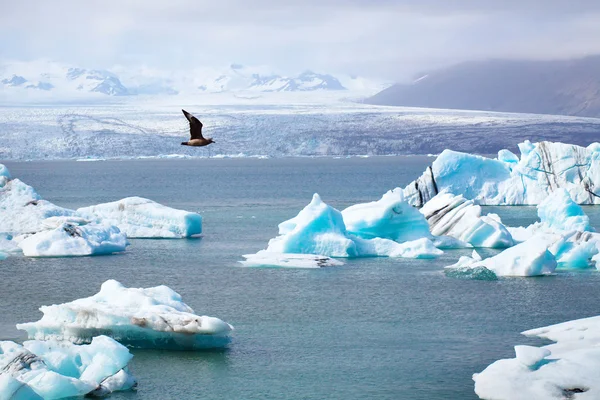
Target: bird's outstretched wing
195	126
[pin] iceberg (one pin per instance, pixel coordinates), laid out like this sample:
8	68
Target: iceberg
568	368
464	269
320	229
559	212
391	217
22	210
73	237
266	259
154	317
530	258
542	168
461	219
142	218
56	370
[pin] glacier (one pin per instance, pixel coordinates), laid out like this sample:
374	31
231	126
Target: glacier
461	219
143	218
568	368
72	237
542	168
55	370
320	229
153	317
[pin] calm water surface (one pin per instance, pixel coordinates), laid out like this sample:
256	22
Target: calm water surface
374	328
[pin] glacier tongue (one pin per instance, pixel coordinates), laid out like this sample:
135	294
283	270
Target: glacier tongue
543	168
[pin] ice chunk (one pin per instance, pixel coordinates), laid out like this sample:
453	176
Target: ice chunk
22	210
530	258
142	218
267	259
569	368
391	217
153	318
508	157
464	269
542	168
320	229
70	239
461	219
559	212
56	370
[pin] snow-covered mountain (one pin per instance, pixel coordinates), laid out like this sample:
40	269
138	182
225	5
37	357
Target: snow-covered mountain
64	80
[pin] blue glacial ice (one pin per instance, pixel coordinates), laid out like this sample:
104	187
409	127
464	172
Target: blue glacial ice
320	229
566	229
56	370
72	236
530	258
461	219
391	217
154	317
143	218
508	180
568	368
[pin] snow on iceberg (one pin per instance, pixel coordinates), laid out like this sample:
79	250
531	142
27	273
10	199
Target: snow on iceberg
391	217
460	218
56	370
320	229
73	237
542	168
143	218
22	210
266	259
530	258
569	368
154	317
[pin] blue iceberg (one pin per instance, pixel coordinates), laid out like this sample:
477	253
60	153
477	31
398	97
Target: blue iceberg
56	370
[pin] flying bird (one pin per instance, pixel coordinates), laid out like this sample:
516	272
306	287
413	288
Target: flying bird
196	138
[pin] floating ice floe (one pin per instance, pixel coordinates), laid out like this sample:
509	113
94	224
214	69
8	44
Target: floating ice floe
266	259
69	236
567	230
143	218
567	369
530	258
22	210
320	229
56	370
391	217
460	218
154	317
465	269
542	168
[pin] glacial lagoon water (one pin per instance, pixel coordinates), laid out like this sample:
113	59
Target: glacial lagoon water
374	328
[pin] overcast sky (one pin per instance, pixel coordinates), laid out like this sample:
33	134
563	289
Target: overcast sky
375	38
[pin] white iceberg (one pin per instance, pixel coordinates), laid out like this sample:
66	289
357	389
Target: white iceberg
154	317
73	237
320	229
569	368
56	370
460	218
267	259
567	228
465	269
542	168
22	209
391	217
530	258
142	218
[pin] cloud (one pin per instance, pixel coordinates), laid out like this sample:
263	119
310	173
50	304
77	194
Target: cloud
381	38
